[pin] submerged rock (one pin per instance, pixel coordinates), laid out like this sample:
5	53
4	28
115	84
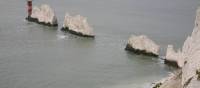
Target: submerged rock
142	45
191	55
43	15
77	25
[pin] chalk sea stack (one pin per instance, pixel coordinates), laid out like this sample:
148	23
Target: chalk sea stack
77	25
174	58
142	45
188	76
43	15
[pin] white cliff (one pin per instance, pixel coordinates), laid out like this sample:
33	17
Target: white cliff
190	54
77	24
191	50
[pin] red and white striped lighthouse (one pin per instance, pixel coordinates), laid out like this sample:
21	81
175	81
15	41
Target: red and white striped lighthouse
29	5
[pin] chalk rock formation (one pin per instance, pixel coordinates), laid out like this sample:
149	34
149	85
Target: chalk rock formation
142	45
43	15
190	72
174	58
77	25
191	50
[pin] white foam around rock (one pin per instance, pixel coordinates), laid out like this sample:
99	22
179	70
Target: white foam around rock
44	14
142	42
78	24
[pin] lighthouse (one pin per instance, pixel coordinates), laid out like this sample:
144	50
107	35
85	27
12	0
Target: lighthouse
29	7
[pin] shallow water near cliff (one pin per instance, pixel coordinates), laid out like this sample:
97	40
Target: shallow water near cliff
36	56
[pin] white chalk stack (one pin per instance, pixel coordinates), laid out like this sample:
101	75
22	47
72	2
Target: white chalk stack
43	15
174	58
77	25
142	45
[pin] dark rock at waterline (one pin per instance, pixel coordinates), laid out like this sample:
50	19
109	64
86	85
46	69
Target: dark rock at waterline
171	63
137	51
31	19
76	33
157	85
198	74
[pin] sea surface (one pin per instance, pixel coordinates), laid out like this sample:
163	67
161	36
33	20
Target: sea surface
36	56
